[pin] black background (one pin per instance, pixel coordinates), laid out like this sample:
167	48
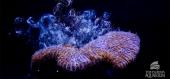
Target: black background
148	18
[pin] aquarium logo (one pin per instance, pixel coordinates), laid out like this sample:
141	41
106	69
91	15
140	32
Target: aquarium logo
154	71
155	66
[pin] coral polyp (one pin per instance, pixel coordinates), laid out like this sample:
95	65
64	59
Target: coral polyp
117	47
76	40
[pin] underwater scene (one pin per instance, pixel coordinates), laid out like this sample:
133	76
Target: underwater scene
84	39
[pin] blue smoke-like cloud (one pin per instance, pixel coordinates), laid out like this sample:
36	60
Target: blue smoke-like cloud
66	26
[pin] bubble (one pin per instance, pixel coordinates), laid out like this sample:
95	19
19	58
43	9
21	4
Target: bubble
18	20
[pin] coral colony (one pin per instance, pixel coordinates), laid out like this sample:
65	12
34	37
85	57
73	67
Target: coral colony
76	40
